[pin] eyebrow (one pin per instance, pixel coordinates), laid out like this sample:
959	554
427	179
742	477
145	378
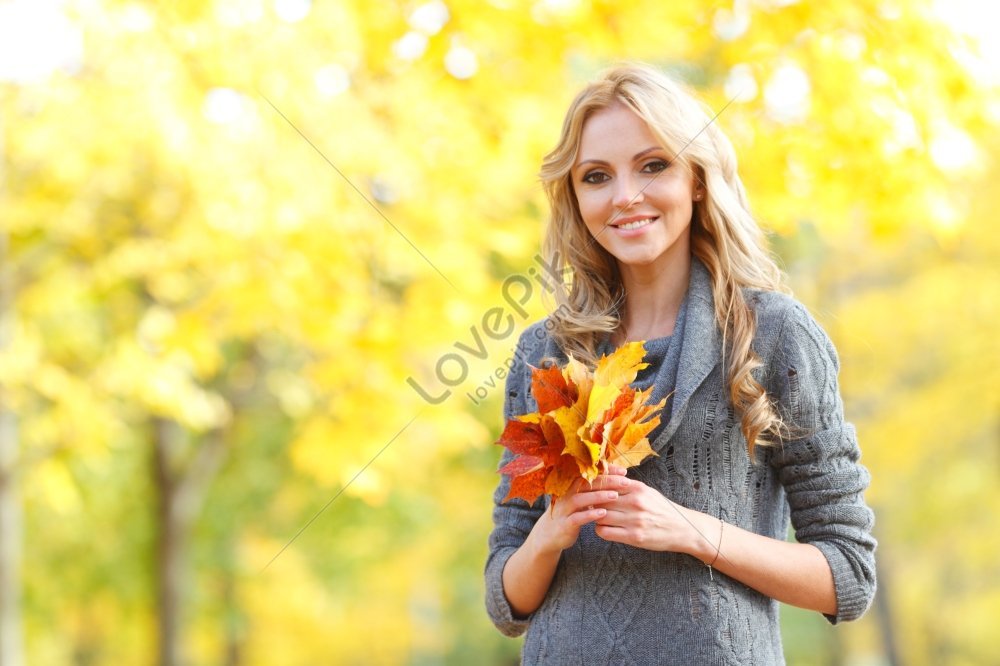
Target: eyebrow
635	157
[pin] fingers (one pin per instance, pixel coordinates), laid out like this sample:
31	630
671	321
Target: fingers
593	497
612	533
617	482
584	508
581	505
616	470
590	515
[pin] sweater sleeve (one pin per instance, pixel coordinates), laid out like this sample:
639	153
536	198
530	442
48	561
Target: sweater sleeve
818	464
512	521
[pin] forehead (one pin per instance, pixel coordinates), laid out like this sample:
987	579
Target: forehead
613	129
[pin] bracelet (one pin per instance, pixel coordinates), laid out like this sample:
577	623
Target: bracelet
718	550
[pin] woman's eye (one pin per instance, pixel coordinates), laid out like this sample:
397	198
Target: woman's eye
656	166
595	177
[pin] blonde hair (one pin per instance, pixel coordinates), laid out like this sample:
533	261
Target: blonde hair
724	235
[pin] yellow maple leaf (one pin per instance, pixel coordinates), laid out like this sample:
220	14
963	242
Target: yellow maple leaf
613	373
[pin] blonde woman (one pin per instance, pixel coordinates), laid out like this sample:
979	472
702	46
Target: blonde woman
682	560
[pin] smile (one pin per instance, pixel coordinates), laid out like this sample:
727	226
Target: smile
635	224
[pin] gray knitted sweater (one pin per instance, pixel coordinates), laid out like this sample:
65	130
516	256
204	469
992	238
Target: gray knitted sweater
611	603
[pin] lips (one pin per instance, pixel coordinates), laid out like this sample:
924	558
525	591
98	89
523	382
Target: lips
634	222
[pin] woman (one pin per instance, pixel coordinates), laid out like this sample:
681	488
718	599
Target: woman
683	559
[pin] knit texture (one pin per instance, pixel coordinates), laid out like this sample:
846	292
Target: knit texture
610	603
663	356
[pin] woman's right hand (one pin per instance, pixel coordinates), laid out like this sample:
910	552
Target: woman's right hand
529	571
558	528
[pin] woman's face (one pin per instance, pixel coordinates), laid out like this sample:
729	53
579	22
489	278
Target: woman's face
634	201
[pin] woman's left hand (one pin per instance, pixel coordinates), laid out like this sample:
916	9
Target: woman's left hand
795	573
643	517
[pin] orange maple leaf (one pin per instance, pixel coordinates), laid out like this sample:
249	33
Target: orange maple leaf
550	389
585	422
539	466
625	427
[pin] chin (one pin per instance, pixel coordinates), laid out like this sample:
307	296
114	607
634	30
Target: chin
638	261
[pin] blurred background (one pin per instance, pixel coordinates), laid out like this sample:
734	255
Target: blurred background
248	247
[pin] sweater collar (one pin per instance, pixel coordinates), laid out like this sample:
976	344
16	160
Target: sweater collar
700	347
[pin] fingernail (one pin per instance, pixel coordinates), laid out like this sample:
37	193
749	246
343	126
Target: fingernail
612	495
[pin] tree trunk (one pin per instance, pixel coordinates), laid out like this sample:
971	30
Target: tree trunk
233	655
11	649
884	612
180	493
169	547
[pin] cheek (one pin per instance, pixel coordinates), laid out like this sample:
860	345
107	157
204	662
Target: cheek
666	190
592	209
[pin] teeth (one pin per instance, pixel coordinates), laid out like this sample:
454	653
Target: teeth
636	225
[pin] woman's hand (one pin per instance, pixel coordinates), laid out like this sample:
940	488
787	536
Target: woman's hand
794	573
641	516
529	571
559	527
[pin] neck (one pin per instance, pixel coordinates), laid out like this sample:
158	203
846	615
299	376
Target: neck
653	296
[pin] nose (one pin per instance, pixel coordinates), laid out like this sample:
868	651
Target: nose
627	193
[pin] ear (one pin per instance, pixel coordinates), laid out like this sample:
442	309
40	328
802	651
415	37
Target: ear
698	189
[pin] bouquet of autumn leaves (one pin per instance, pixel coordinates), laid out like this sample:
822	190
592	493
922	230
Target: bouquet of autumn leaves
584	423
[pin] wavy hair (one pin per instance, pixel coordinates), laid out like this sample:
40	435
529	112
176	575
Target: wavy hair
724	234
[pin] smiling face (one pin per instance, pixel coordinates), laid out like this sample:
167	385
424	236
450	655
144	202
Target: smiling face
634	201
